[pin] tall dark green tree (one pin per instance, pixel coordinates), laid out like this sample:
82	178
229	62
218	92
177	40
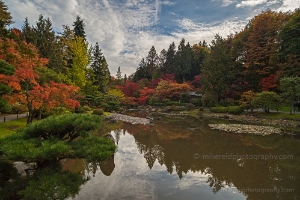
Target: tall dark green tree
183	61
44	38
218	69
290	46
5	19
5	16
152	61
79	27
143	71
100	67
170	60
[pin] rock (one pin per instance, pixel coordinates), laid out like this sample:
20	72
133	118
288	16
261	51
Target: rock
129	119
246	129
25	169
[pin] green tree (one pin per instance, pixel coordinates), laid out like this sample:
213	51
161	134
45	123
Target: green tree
290	48
5	69
81	59
170	60
43	37
5	19
152	61
267	101
100	67
183	61
290	86
119	76
79	27
218	68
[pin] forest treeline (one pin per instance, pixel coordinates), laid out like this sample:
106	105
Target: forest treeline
43	70
256	58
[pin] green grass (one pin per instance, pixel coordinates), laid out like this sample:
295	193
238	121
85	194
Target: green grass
279	115
10	127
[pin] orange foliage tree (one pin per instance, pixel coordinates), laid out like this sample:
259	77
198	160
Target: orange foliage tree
171	90
26	89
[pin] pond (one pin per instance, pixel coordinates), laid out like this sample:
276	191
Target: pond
180	157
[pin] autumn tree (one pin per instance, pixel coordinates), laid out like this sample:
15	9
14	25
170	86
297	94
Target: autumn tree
263	42
145	94
6	71
26	89
171	90
246	100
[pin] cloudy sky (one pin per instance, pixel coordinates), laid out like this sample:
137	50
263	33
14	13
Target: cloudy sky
127	29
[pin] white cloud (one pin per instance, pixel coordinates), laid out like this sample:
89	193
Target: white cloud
289	5
250	3
124	30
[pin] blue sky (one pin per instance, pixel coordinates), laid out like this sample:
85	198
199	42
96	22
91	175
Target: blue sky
127	29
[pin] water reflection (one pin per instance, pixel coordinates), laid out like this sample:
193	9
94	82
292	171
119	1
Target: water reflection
176	159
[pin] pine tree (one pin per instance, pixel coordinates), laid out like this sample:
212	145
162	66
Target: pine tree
170	59
119	76
79	27
100	67
5	16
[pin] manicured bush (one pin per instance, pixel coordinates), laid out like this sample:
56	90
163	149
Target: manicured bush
86	108
98	111
218	109
230	109
64	126
235	110
58	137
114	106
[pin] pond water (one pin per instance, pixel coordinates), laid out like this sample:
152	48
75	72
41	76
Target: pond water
179	157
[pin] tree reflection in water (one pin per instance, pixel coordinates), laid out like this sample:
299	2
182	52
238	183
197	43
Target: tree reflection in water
172	143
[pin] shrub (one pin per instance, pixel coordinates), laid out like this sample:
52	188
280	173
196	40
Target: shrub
208	100
64	126
201	109
196	101
218	109
230	109
235	110
98	111
189	106
184	97
79	110
114	106
86	108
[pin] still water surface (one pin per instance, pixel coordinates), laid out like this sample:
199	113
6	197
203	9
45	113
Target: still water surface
181	158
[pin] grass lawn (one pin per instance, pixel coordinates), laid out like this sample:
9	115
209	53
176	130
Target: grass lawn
279	115
9	127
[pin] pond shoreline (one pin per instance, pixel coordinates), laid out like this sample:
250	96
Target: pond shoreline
250	118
